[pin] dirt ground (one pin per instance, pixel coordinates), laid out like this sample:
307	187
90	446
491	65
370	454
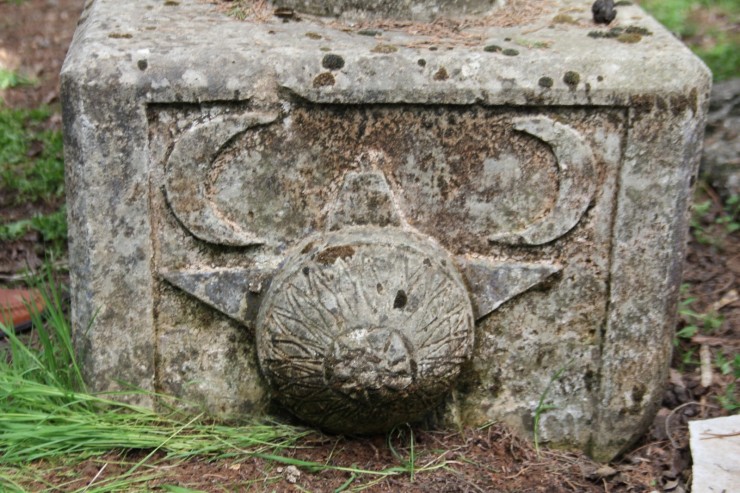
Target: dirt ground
34	36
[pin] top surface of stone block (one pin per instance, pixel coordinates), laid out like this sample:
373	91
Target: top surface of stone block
532	53
424	10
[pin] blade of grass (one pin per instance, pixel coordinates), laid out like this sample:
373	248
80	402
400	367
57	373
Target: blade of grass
47	415
542	407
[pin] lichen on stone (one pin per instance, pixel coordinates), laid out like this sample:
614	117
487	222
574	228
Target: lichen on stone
629	38
572	78
384	48
638	30
369	32
324	79
529	43
564	19
441	74
617	32
332	62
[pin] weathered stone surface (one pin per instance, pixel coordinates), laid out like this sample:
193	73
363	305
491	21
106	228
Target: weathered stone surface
235	292
492	284
365	329
421	10
575	182
187	178
550	170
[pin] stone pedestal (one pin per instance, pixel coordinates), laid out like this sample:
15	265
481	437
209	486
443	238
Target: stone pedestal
376	221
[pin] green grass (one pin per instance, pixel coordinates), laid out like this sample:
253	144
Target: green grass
713	221
31	161
695	322
542	406
11	78
32	167
410	463
52	227
719	48
676	14
48	420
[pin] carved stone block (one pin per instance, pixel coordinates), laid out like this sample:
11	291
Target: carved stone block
423	223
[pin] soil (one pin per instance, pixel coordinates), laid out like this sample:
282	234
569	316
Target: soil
34	38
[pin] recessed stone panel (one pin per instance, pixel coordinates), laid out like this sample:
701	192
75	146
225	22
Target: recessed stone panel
468	176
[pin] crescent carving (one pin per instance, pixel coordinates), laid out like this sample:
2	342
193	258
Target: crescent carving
186	178
576	184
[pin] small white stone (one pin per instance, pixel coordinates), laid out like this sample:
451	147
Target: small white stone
715	449
292	474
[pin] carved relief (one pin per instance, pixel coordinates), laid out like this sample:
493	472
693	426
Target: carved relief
466	176
187	179
576	182
369	317
363	330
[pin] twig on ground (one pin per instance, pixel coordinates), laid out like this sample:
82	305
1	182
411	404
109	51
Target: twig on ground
729	298
97	475
711	436
706	188
674	411
526	468
705	358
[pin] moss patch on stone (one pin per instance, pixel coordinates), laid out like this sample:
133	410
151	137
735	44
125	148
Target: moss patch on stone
369	32
617	32
332	62
572	78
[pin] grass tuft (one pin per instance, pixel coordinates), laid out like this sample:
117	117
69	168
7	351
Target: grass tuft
52	228
47	416
31	161
542	407
11	78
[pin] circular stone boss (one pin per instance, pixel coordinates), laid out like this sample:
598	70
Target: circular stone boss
363	330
